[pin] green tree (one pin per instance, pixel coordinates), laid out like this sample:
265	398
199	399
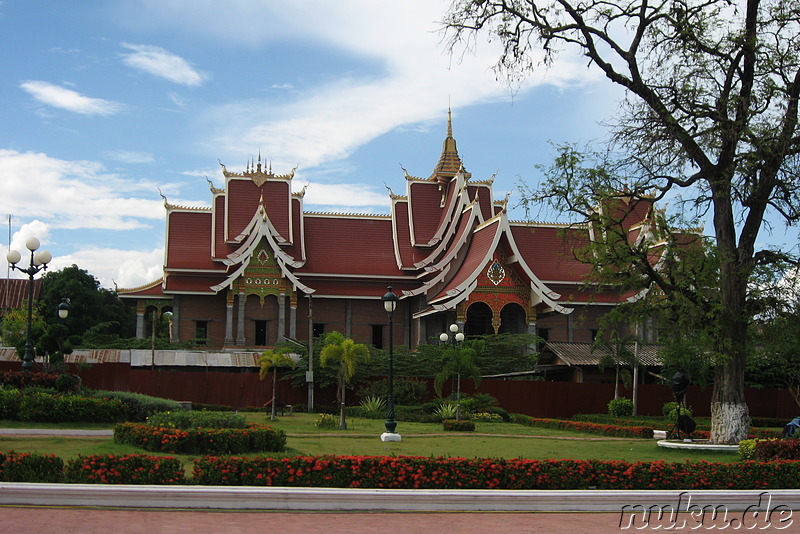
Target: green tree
90	304
617	350
14	327
273	360
710	111
349	354
457	361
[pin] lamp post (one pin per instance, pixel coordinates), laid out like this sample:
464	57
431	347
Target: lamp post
455	337
390	304
39	261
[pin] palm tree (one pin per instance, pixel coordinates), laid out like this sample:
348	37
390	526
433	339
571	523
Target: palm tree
619	350
458	361
349	353
272	360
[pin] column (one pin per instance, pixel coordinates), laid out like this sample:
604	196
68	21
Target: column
348	319
229	318
176	319
293	315
281	316
240	321
140	306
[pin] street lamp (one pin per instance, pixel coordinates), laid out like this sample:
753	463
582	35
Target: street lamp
63	308
390	304
456	338
39	261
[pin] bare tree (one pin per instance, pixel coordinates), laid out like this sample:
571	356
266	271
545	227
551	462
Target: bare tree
711	112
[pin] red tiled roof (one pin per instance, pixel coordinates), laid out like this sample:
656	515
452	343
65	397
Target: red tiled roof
14	292
481	248
424	199
349	245
242	199
189	241
276	200
153	289
547	252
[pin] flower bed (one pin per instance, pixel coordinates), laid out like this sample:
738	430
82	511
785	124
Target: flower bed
403	472
254	438
581	426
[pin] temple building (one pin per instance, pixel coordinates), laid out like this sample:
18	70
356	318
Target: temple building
255	268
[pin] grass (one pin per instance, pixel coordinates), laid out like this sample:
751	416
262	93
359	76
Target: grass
490	440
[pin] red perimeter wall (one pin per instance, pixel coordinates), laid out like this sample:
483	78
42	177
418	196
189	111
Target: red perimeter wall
535	398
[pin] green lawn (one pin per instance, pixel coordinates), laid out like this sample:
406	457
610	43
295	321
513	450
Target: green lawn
493	440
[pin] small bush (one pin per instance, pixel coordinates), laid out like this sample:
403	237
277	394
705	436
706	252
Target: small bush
768	450
458	426
621	407
66	383
747	449
404	390
327	420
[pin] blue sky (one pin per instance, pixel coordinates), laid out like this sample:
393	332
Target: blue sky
105	102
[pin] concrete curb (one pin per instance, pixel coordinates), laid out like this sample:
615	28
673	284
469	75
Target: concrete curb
358	499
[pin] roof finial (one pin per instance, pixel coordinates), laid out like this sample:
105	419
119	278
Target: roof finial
259	161
449	122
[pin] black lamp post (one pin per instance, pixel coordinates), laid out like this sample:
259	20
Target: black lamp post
390	304
39	261
63	308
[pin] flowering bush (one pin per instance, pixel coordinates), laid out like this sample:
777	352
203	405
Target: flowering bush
327	420
487	417
777	449
580	426
254	438
484	473
20	379
128	469
25	467
458	426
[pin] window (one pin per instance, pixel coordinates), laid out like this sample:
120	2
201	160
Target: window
319	329
261	333
595	332
543	333
201	332
377	336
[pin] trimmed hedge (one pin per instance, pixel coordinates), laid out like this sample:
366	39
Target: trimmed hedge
404	472
127	469
776	449
44	407
254	438
591	428
28	467
139	407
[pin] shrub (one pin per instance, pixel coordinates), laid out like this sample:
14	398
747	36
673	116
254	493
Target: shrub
66	383
446	410
139	406
620	407
22	379
373	406
670	411
479	402
327	420
458	426
50	408
25	467
747	449
487	417
128	469
254	438
185	419
767	450
580	426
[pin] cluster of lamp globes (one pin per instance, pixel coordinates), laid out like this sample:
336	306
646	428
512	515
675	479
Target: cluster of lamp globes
38	257
458	336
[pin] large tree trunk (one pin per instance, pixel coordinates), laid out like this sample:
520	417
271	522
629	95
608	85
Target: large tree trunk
730	420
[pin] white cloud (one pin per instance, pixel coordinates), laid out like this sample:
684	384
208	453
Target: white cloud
63	98
325	196
162	63
128	156
125	268
77	194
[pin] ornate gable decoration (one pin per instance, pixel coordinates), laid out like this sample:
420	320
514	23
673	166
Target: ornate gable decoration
262	276
256	174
